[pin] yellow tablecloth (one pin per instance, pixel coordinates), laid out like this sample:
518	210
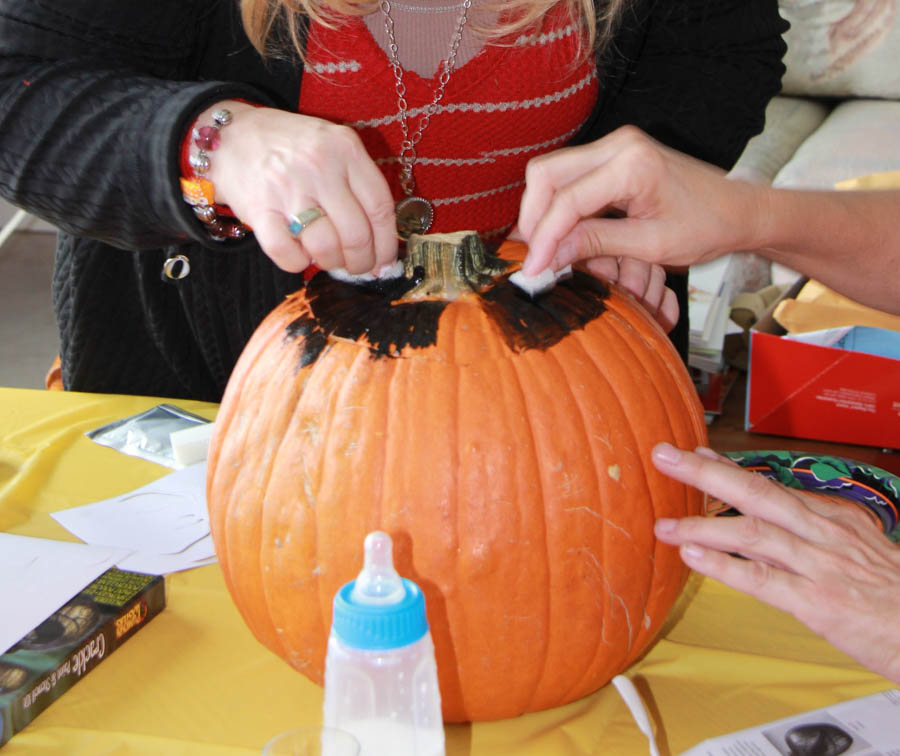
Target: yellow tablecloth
195	681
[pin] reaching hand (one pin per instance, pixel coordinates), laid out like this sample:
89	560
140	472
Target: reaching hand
272	164
820	559
674	210
645	281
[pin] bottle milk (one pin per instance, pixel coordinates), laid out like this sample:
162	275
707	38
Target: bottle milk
380	675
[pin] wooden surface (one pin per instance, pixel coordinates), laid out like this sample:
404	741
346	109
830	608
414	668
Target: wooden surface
727	433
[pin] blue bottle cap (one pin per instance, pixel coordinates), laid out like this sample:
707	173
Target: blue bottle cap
379	626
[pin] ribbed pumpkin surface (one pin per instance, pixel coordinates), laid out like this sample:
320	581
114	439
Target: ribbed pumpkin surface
515	481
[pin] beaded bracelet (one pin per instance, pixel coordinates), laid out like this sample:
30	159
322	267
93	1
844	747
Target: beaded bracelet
199	192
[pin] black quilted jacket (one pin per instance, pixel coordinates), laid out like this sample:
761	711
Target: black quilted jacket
96	95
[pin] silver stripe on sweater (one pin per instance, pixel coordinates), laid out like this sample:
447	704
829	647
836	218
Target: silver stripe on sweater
487	158
485	107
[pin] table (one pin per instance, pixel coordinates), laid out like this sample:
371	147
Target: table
195	681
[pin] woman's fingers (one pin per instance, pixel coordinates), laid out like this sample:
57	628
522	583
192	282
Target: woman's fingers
851	599
820	560
275	165
635	276
748	492
750	537
606	268
367	183
360	232
321	242
352	246
774	516
568	186
544	176
667	316
639	237
276	241
774	586
677	210
585	196
645	281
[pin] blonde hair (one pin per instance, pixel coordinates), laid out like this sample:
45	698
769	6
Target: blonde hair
274	26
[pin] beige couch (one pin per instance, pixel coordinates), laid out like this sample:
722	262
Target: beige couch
838	116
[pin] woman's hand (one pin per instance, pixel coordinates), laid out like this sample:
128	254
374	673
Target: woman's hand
627	195
645	281
823	561
272	164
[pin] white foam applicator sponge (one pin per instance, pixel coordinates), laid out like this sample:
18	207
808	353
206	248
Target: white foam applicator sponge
191	444
542	282
392	270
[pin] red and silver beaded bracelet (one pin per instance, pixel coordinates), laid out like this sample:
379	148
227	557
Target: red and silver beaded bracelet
198	191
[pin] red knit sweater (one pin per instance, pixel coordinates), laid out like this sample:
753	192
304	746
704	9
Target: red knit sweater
506	105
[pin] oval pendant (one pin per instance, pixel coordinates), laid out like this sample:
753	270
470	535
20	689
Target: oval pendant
414	216
176	267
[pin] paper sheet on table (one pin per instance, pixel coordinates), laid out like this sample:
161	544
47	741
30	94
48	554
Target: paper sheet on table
867	726
39	575
165	523
195	555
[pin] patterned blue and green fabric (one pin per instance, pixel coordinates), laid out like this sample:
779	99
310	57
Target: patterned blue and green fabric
869	486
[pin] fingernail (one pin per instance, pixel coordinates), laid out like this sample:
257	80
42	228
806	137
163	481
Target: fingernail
665	525
691	552
667	454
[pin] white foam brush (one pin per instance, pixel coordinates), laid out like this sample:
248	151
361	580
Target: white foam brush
392	270
542	282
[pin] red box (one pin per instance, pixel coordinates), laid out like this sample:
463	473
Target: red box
824	393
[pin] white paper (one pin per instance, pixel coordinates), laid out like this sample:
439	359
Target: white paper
868	726
39	575
710	291
826	337
635	705
164	525
196	555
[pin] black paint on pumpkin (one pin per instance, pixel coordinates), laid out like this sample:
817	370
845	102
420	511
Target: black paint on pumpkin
371	309
374	310
540	322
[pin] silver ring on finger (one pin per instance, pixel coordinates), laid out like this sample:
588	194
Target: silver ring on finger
298	222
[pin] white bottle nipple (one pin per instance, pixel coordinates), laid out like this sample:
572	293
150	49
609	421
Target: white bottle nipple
378	581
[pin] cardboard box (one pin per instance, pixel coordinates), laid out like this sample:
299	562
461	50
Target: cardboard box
817	392
72	641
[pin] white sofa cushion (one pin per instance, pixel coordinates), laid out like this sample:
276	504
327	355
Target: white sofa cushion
858	137
842	48
789	121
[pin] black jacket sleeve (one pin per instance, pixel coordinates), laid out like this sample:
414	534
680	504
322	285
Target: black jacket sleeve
695	74
95	99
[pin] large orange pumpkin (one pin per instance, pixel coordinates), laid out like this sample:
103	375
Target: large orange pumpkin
504	444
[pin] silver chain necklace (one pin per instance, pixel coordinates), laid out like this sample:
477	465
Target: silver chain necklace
427	8
415	214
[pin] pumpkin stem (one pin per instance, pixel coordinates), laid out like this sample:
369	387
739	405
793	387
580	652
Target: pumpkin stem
449	265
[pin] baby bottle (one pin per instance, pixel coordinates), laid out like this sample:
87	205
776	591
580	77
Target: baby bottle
380	676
